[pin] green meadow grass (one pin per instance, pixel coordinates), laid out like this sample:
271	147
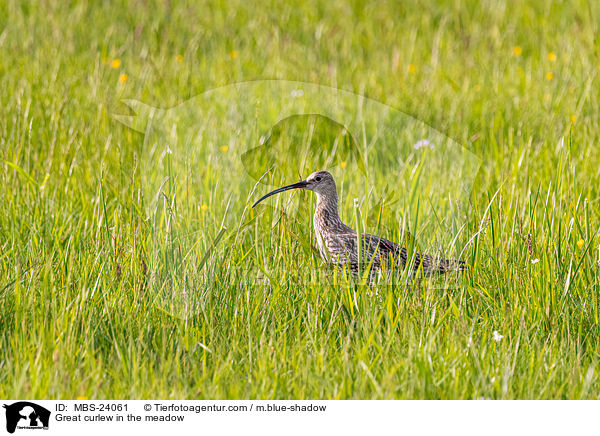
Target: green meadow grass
99	301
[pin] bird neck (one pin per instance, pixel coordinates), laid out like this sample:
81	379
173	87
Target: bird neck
326	213
328	202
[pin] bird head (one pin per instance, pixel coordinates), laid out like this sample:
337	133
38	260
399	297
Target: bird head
320	182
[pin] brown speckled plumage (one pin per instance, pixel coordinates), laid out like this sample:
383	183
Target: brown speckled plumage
337	242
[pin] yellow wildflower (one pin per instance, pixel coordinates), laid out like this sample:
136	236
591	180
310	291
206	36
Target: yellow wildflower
552	56
204	207
179	58
234	54
517	50
343	164
573	118
580	243
81	398
123	78
412	68
224	148
549	76
116	63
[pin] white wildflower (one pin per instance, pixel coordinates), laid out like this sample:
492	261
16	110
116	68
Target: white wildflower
497	336
534	261
423	143
297	93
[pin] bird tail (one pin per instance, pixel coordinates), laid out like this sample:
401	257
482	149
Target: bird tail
447	265
440	265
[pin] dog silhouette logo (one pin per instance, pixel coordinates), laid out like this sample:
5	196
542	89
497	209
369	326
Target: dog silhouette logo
26	415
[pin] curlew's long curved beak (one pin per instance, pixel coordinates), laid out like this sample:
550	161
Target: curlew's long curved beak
301	184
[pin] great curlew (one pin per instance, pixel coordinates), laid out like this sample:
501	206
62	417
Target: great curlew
338	242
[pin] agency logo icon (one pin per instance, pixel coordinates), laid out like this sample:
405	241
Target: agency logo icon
26	415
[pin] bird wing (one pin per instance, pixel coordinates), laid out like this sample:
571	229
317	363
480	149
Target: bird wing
389	252
375	251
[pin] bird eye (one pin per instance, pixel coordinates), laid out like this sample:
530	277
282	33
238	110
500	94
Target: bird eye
318	179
